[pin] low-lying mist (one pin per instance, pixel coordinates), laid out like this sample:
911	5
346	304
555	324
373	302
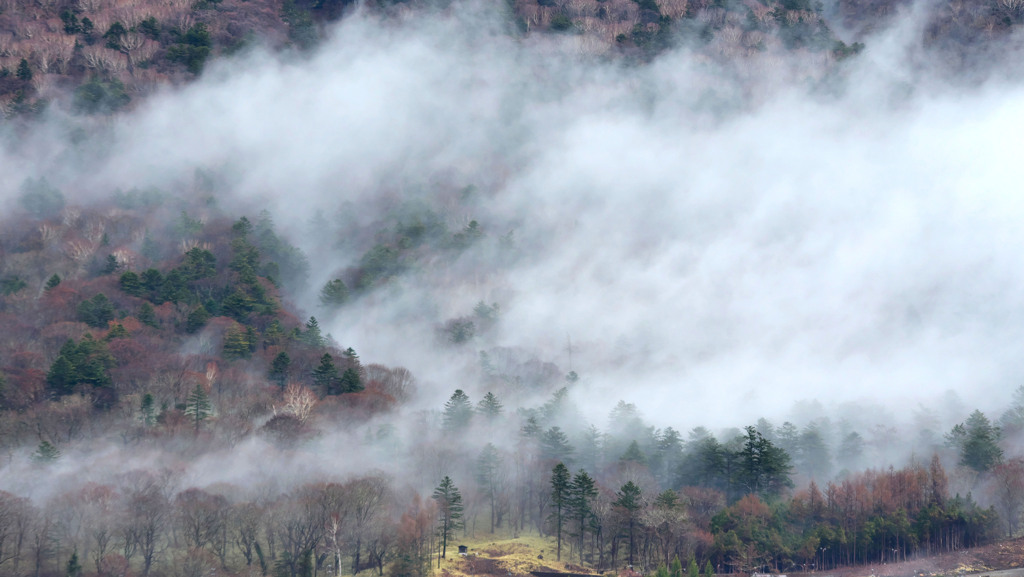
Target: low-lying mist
784	237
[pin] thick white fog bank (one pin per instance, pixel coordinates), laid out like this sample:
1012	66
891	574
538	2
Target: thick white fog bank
714	250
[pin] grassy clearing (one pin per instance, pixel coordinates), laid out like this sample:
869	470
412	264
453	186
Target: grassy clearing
503	555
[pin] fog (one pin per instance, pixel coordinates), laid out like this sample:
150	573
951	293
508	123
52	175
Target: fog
712	244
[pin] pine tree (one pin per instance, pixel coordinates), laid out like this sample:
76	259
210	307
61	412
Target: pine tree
351	382
148	410
147	316
279	369
326	377
52	282
708	570
629	500
197	320
46	453
560	480
692	569
74	568
487	465
458	412
24	71
236	344
449	512
582	493
198	407
62	376
676	569
334	294
490	407
312	336
554	445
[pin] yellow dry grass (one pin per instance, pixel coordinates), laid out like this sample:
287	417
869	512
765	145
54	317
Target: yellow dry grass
504	555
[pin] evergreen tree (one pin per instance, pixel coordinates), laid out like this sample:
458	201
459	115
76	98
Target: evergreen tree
74	568
52	282
489	407
351	382
692	569
449	512
97	311
325	376
582	492
312	336
554	445
629	500
62	376
487	470
148	409
236	344
131	284
634	454
708	570
560	480
24	71
977	442
147	316
458	412
197	320
764	468
117	331
279	369
198	407
46	453
676	569
110	265
334	294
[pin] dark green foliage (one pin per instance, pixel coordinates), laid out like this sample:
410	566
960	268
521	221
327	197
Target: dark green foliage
152	280
147	316
560	480
74	568
580	501
110	265
24	72
325	376
239	343
301	29
472	232
52	282
198	264
40	199
98	96
62	376
97	311
977	441
196	319
147	408
87	29
198	407
350	381
559	23
131	284
764	468
630	500
46	453
842	51
458	412
70	20
192	48
311	336
279	369
288	266
334	293
117	331
85	363
149	28
115	35
12	284
174	288
449	509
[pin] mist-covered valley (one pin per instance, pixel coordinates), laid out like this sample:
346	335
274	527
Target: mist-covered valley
250	322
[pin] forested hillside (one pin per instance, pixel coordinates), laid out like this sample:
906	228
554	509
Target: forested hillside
298	289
